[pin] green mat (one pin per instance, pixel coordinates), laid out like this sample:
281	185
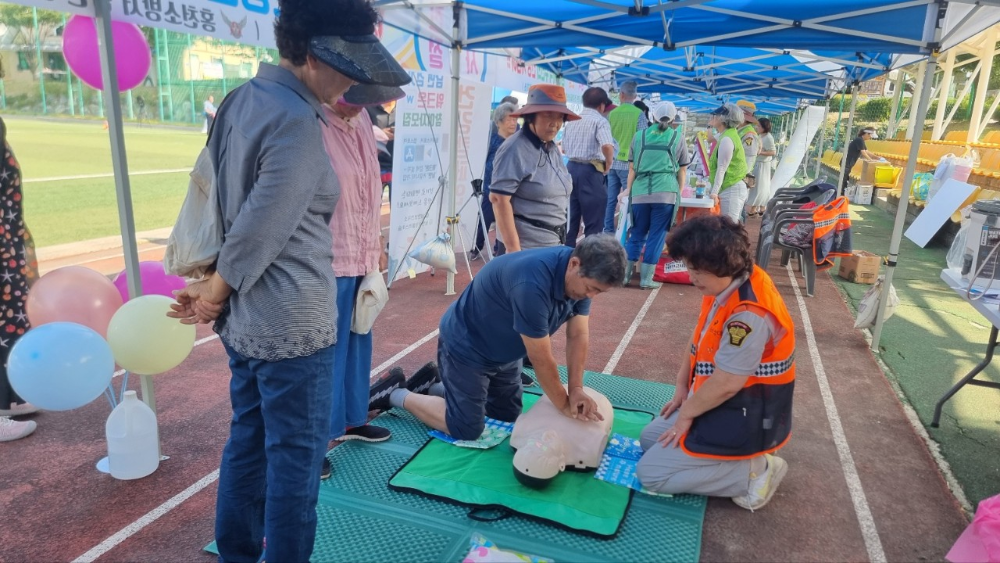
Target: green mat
361	519
576	500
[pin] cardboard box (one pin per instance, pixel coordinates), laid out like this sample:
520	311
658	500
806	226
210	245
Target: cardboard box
863	195
861	267
850	191
868	173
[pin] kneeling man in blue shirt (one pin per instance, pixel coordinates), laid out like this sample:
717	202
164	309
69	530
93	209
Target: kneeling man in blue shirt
512	308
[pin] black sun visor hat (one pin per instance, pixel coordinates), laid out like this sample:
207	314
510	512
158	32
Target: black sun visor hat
372	95
721	110
361	58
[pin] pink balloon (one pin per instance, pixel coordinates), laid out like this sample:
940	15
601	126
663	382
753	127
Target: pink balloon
132	57
73	294
154	281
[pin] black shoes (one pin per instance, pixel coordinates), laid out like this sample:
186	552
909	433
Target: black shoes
421	381
378	397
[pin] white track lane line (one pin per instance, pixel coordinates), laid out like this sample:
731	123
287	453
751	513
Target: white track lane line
155	514
106	175
405	352
147	519
865	520
623	345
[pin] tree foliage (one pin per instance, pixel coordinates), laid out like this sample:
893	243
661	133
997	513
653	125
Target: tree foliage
26	34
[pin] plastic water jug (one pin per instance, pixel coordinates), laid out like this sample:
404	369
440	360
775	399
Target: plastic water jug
133	447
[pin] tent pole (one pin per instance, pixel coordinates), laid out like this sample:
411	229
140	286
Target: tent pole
451	219
947	70
113	112
836	129
989	50
897	99
911	167
847	137
917	94
822	137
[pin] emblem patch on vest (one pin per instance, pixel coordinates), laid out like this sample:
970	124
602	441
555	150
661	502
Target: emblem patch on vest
738	332
748	141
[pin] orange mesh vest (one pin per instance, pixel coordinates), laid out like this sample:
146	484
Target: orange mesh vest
758	419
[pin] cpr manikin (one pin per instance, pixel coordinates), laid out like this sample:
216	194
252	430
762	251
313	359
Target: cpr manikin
547	441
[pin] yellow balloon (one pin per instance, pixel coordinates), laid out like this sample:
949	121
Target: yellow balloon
145	340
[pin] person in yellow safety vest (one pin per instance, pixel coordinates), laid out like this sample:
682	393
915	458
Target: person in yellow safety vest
750	140
727	165
732	408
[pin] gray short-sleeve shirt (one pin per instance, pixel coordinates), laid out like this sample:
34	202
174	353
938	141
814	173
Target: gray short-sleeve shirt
533	174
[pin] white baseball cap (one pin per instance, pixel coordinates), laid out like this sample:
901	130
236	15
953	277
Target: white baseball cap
665	110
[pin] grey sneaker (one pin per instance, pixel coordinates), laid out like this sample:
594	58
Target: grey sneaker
11	430
19	409
763	486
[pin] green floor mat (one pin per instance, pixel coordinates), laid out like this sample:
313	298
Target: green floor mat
575	500
361	519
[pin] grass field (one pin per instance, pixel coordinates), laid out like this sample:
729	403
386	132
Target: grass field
71	210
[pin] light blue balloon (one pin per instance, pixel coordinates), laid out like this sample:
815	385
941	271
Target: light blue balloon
60	366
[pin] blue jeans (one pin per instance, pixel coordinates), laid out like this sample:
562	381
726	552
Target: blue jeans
617	181
269	477
586	202
650	223
352	364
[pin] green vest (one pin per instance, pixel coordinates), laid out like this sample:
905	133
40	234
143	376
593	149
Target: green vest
624	120
737	168
655	163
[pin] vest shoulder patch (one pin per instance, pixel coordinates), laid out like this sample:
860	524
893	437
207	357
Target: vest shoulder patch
738	332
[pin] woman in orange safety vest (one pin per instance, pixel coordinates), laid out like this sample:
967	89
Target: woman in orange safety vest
733	404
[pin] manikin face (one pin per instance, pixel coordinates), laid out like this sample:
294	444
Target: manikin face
579	287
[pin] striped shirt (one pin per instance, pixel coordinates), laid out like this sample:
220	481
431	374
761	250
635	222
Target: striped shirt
583	139
355	225
277	193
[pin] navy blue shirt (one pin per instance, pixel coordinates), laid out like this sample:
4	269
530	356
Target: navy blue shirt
523	293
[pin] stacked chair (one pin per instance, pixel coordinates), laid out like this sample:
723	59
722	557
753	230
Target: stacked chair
785	210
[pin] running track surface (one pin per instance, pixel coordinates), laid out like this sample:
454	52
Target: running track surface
861	483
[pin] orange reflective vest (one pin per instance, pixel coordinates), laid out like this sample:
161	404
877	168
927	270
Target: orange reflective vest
831	232
758	419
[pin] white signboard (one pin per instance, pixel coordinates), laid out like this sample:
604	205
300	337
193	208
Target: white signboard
420	162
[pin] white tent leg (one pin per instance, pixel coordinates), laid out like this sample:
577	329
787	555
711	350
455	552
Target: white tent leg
847	139
456	73
119	163
822	137
948	68
897	94
911	167
986	56
917	93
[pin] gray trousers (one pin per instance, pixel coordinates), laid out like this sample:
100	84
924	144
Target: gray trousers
670	470
732	200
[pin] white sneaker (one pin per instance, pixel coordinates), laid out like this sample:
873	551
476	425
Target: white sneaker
762	486
15	429
19	410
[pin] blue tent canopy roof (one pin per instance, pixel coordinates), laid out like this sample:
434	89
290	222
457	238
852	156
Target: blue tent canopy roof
770	48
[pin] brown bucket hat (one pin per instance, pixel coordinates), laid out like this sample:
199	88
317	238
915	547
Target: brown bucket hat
546	97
